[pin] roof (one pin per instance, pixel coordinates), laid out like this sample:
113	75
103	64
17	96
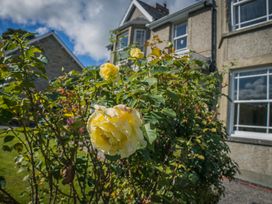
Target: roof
181	14
151	13
53	34
155	13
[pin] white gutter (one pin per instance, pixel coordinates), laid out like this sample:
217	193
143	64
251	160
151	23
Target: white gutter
181	14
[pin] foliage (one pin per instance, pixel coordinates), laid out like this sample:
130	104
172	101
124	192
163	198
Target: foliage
10	31
186	156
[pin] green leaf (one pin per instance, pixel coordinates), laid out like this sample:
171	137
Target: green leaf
151	81
151	133
2	182
157	98
18	147
32	51
8	138
6	148
169	112
112	158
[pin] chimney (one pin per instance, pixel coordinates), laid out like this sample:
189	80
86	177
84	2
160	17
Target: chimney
162	8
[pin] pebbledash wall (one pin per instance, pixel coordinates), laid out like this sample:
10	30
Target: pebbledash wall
198	31
245	49
57	57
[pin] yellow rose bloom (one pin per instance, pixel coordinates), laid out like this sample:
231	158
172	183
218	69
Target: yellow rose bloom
116	131
108	71
136	53
156	51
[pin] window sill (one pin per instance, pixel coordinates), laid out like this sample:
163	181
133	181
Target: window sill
248	29
251	138
182	52
245	30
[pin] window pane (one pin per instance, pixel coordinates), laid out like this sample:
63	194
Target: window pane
252	88
270	114
235	89
181	43
123	41
235	12
253	114
235	122
270	88
180	30
255	72
121	55
140	38
270	6
253	9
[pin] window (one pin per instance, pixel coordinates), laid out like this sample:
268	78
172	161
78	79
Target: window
139	38
250	12
180	37
251	109
122	44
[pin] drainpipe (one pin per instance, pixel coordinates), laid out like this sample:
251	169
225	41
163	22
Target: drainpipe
212	66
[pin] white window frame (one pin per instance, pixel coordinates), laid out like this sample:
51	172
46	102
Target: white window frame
248	134
238	4
134	36
183	50
122	48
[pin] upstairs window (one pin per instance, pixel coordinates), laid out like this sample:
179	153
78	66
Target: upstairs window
180	37
139	38
246	13
251	110
121	47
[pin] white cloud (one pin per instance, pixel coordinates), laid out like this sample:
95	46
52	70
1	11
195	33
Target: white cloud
42	30
86	22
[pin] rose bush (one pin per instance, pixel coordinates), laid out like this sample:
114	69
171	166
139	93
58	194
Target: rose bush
75	151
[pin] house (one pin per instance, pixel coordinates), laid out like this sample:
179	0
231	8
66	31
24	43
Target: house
234	36
244	42
58	55
133	30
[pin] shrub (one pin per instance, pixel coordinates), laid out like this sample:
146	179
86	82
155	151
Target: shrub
164	103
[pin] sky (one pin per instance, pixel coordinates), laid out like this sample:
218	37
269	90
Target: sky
83	25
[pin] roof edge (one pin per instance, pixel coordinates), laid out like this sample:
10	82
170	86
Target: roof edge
173	16
137	5
36	39
67	49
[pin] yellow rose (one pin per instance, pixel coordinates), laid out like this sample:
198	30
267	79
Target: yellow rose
156	51
136	53
108	71
116	130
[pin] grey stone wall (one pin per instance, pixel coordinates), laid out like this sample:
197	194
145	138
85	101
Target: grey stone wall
57	58
199	32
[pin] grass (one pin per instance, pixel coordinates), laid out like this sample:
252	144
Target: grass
15	185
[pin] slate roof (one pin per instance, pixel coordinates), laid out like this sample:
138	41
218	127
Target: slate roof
154	12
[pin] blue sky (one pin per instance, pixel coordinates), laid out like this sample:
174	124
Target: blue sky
86	60
83	25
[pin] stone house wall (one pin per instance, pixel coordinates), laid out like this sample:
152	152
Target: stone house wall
243	49
57	58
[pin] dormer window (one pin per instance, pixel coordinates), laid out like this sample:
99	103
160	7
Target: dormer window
139	38
245	13
180	37
122	44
